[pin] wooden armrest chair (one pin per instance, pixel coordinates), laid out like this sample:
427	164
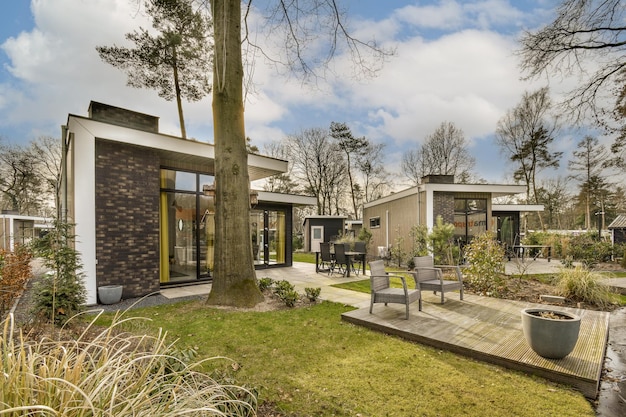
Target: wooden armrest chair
383	293
430	277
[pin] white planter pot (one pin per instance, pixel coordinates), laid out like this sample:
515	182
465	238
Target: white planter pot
110	294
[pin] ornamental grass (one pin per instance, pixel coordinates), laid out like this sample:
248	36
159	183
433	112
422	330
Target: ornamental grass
106	372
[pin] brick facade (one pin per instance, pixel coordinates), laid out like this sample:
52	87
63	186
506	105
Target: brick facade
127	217
443	205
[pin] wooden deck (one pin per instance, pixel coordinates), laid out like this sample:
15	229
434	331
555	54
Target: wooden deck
490	330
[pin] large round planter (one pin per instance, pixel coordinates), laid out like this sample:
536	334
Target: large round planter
550	338
110	294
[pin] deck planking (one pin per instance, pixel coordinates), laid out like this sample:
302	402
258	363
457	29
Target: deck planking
490	330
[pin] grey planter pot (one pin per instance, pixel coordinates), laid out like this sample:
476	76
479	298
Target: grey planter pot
550	338
110	294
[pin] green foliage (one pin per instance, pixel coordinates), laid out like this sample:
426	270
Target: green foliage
15	271
581	284
61	293
297	241
485	271
419	240
286	292
312	293
265	283
396	251
445	252
365	236
588	250
110	374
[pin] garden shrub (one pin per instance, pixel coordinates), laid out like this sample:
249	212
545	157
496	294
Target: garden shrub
396	251
15	271
265	283
61	293
581	284
312	293
286	292
485	271
419	241
443	247
585	248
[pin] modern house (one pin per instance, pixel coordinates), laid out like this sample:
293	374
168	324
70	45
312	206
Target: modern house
20	230
142	216
469	207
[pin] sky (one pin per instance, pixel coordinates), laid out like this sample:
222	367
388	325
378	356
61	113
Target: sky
455	62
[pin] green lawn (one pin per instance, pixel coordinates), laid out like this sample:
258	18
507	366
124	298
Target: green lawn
307	362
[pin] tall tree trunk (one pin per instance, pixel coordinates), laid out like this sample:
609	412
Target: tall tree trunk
179	103
234	283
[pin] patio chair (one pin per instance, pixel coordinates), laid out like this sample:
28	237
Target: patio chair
327	263
382	292
430	277
360	247
341	260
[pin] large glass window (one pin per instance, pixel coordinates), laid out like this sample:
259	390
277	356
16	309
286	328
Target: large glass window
470	218
187	227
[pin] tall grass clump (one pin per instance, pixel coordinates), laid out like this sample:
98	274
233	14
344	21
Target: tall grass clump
581	284
108	374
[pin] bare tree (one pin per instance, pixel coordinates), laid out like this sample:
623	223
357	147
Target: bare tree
525	136
588	39
46	154
20	186
443	153
589	162
553	194
415	165
375	177
320	165
280	183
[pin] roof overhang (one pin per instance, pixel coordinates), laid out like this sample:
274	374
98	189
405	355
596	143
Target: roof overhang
496	190
295	200
174	152
517	207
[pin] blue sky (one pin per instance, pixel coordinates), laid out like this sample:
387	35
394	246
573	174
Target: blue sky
454	63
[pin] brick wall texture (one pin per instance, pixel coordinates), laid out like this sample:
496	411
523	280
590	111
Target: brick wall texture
127	217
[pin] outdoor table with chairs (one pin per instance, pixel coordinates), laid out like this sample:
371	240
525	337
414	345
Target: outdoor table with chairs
339	257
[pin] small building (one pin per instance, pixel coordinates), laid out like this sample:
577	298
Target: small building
141	204
318	229
20	230
469	207
617	228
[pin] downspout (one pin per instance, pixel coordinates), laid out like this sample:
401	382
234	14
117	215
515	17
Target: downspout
387	229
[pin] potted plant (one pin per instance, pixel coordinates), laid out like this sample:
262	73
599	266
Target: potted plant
550	333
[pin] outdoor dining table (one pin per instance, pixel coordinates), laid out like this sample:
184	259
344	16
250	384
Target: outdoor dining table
350	256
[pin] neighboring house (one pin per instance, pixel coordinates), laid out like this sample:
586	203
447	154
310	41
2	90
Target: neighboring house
320	228
468	206
617	228
20	230
142	205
